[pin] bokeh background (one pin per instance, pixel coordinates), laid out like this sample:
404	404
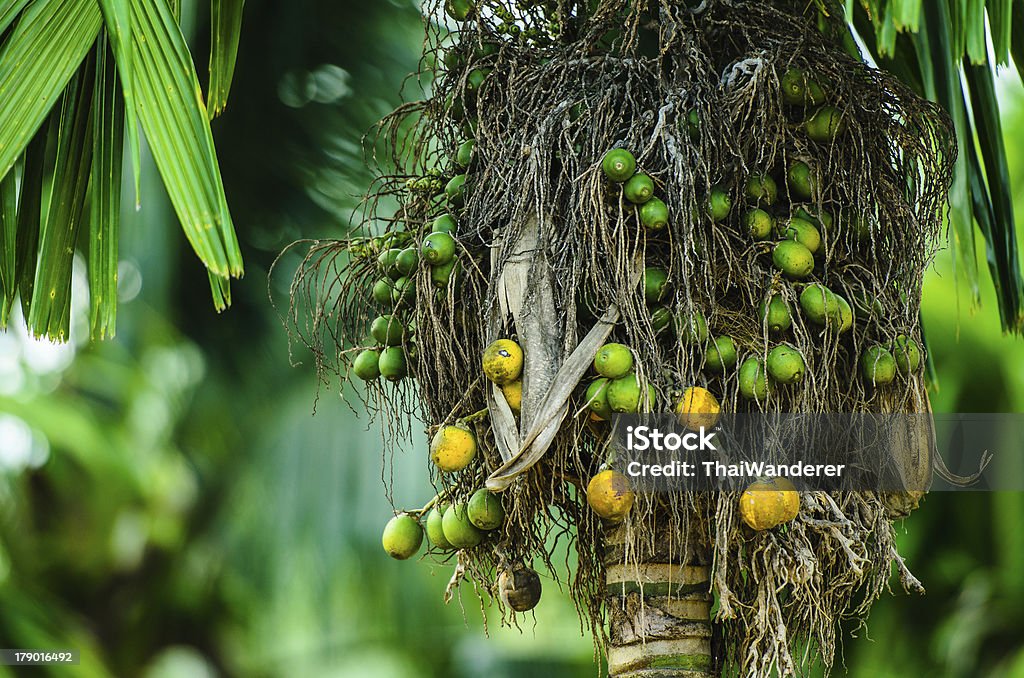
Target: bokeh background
171	506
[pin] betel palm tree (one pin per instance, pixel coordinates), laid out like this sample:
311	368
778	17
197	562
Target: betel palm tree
76	78
542	91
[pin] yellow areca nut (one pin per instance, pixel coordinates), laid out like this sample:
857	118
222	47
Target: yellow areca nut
769	502
697	408
513	392
503	361
452	448
610	495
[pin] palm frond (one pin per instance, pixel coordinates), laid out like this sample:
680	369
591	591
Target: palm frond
9	10
1000	20
117	18
226	29
170	106
1017	37
105	195
30	214
8	244
221	291
936	47
993	169
952	43
77	76
50	312
47	46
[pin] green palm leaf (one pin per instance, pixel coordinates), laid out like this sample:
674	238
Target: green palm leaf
117	17
105	201
8	244
170	106
226	22
936	46
1000	14
1017	36
9	10
953	48
974	28
47	46
30	209
50	313
151	82
1002	238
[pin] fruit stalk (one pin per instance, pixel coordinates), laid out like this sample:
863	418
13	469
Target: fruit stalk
659	608
476	416
440	496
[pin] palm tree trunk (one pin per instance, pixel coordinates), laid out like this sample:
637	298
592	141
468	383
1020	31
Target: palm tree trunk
659	610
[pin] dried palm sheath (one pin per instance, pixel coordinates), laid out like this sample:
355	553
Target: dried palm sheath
551	253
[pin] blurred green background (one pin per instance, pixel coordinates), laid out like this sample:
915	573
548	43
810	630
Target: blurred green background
170	505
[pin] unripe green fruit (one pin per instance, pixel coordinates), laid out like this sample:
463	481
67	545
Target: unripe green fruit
387	330
761	189
819	218
485	510
407	261
443	224
613	360
624	394
387	261
458	9
692	329
618	164
392	364
597	397
759	224
720	354
907	354
458	530
785	364
365	365
438	249
654	214
661	318
719	204
878	365
464	155
804	233
442	276
435	528
404	291
639	189
776	313
803	184
455	190
825	125
382	292
845	315
655	284
753	379
475	79
819	304
402	537
799	90
693	124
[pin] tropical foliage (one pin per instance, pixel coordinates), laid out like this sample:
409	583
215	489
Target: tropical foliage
257	525
943	50
78	76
